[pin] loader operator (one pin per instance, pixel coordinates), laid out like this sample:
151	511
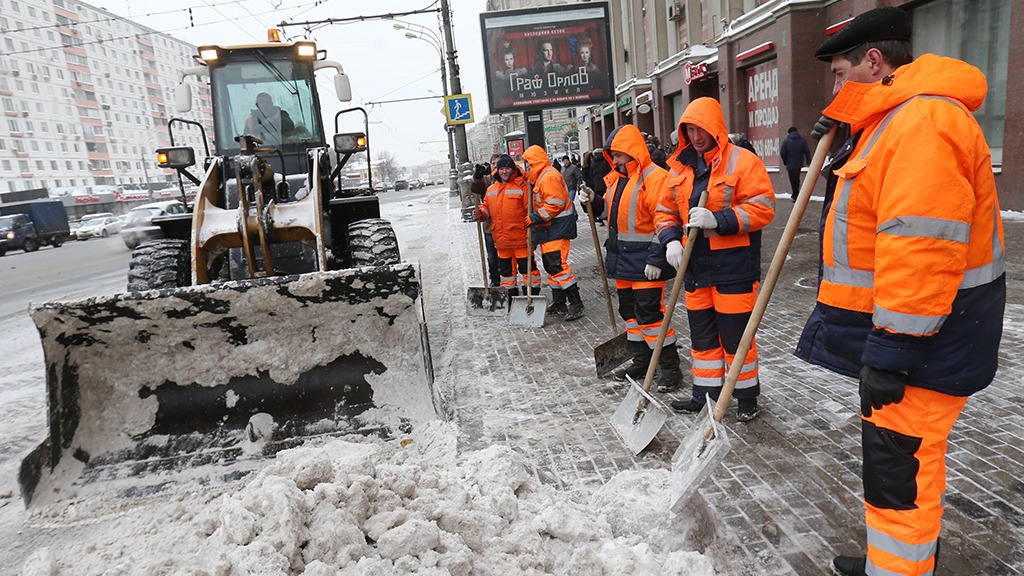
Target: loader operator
552	218
505	206
722	276
268	122
914	288
634	257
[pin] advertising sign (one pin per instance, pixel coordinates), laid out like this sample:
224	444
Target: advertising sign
763	110
554	57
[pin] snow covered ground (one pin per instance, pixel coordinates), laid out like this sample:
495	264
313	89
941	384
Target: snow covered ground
350	505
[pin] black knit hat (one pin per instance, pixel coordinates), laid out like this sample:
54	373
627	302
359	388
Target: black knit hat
872	26
505	161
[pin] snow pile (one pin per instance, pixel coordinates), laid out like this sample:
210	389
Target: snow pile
367	507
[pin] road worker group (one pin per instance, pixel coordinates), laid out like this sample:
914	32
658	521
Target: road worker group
912	289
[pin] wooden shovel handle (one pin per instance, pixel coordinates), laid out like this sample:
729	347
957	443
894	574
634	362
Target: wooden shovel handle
670	306
774	270
483	258
600	261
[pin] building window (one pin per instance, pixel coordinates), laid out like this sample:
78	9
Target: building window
977	32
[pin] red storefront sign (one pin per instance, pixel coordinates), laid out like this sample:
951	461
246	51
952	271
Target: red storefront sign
763	110
693	72
86	199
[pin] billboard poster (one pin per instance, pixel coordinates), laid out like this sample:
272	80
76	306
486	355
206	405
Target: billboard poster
763	110
542	58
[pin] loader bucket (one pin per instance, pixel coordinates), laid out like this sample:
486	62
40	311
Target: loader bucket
203	382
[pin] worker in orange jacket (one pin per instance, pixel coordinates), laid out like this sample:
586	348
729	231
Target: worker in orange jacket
505	206
722	276
634	257
913	289
552	219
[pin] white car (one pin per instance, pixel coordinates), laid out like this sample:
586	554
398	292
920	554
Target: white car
139	227
99	228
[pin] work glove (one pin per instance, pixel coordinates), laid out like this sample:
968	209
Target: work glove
479	215
480	170
702	218
821	127
586	194
674	254
880	387
652	272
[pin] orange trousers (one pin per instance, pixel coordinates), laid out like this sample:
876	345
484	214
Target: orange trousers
905	479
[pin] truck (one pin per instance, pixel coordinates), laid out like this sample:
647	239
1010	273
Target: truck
276	309
33	223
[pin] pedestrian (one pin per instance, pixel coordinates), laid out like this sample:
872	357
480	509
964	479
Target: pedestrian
598	169
482	179
505	207
914	288
572	176
722	277
633	256
658	156
795	155
553	221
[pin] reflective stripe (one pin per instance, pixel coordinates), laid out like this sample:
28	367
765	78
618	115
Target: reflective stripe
926	227
910	552
907	323
708	382
872	570
730	168
989	272
707	364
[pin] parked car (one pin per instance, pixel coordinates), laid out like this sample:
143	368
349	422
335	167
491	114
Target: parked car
99	227
401	185
74	225
139	227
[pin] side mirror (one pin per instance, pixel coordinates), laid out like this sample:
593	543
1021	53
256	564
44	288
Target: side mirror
350	143
342	87
183	97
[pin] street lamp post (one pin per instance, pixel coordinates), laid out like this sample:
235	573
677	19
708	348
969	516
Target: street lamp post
417	32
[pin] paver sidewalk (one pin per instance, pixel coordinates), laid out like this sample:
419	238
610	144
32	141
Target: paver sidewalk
788	497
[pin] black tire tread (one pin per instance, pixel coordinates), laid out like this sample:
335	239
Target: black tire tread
159	264
373	243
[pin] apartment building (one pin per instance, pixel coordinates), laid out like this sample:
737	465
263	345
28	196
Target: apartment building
757	58
86	96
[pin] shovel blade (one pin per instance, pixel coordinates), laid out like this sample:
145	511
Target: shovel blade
699	453
528	311
635	427
611	354
487	302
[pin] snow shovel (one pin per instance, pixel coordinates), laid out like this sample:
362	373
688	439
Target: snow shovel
640	416
528	310
706	445
485	301
612	353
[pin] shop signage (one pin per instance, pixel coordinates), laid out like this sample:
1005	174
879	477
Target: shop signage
763	110
86	199
624	101
693	72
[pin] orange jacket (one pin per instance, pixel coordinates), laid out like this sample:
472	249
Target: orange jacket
505	204
914	236
740	195
551	210
632	244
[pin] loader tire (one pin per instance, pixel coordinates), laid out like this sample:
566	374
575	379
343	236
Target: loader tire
373	243
159	264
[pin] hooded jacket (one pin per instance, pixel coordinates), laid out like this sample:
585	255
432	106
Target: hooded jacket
795	152
630	201
740	196
506	207
552	212
913	248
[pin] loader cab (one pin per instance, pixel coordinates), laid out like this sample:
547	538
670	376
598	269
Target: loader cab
268	91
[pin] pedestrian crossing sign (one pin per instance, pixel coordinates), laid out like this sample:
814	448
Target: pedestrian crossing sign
458	108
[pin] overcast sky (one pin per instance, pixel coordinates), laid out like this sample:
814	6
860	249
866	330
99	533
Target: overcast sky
381	62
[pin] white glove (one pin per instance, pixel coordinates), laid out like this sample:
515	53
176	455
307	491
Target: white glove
674	253
652	272
702	218
586	194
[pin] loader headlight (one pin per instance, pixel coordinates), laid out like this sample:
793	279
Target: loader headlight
176	157
208	54
305	49
350	142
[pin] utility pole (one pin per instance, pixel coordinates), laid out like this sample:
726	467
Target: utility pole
461	148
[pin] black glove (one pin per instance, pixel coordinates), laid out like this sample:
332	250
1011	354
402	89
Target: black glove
821	127
481	170
880	387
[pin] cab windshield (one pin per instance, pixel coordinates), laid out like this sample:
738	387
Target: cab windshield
269	99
